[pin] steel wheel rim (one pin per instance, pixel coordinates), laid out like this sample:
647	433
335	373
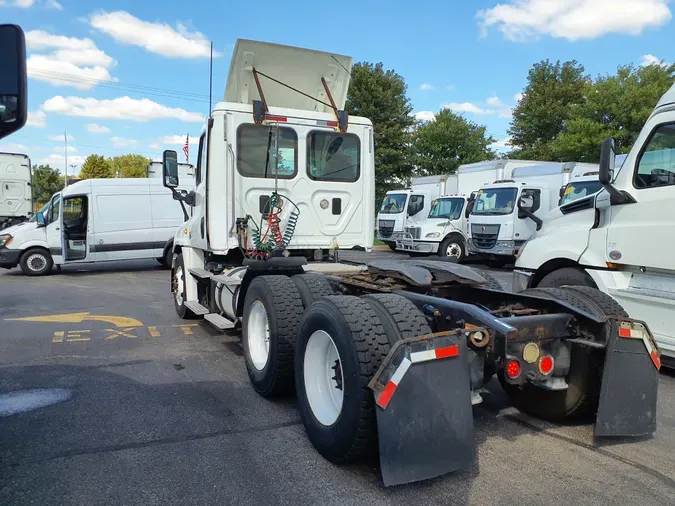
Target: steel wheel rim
323	378
36	258
178	276
258	335
454	250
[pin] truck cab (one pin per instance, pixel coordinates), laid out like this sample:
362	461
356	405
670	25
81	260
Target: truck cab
400	209
16	191
619	240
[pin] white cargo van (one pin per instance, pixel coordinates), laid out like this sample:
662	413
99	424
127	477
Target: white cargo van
497	227
95	220
16	192
619	240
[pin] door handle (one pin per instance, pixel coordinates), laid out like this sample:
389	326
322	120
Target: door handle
57	228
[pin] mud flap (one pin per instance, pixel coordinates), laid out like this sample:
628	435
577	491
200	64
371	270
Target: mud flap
629	382
423	404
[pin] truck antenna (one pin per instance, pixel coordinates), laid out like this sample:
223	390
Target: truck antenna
210	78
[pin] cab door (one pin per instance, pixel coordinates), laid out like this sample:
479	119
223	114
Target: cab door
53	229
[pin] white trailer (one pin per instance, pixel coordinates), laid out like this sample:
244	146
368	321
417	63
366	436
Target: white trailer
618	240
16	191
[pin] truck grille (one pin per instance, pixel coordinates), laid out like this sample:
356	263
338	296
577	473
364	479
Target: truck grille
415	232
484	236
386	228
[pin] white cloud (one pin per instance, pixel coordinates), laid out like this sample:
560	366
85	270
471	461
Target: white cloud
53	4
650	59
36	119
58	161
502	144
158	37
518	97
59	149
178	140
466	107
124	108
59	138
523	20
493	107
121	142
71	62
427	87
494	102
97	129
27	4
425	116
155	145
24	4
13	148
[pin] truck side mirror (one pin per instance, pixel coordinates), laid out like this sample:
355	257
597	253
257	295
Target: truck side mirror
40	219
170	169
13	99
469	205
607	161
526	202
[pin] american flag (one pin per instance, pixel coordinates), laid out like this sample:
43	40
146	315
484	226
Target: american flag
186	149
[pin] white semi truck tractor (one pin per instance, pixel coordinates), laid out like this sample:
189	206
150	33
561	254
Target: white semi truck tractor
16	191
388	357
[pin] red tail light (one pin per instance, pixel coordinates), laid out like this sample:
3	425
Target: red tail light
546	364
513	369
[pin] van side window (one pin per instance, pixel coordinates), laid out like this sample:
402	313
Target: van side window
201	158
333	156
255	151
656	166
415	205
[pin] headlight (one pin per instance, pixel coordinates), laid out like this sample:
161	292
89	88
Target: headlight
5	239
433	235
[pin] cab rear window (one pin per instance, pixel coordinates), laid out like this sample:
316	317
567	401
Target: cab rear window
333	156
256	151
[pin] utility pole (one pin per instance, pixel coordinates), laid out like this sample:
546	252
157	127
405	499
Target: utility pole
65	151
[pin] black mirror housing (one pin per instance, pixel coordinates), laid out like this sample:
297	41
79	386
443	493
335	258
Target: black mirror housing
170	169
607	161
13	94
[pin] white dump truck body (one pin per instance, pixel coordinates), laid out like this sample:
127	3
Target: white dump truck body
16	192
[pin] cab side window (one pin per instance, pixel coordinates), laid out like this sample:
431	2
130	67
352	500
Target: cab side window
201	159
656	166
415	205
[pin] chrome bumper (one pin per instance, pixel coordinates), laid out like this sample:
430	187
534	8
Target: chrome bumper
496	250
521	280
407	243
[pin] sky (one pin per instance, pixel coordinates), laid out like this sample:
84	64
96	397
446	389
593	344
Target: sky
130	76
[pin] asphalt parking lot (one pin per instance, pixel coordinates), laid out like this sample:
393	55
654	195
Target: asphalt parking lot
106	397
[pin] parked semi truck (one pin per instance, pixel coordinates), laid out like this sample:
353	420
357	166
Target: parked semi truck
16	192
497	227
618	240
443	229
391	355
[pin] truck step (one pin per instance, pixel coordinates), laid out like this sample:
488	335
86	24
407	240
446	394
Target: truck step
201	273
226	280
220	322
196	308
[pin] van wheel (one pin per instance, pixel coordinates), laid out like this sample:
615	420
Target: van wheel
36	262
179	290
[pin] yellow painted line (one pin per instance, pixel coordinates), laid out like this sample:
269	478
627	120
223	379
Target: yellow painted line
114	333
186	328
78	340
118	321
153	331
58	337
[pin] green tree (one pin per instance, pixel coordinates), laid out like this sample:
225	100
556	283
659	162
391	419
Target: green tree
441	146
553	89
131	165
380	95
46	182
96	166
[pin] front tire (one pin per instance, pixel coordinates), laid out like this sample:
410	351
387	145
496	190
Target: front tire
179	289
340	346
586	364
568	276
272	313
36	262
453	246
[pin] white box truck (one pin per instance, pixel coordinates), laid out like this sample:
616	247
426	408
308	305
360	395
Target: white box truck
391	355
95	220
16	192
619	240
443	228
497	227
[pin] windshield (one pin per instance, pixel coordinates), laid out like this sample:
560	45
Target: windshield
495	201
393	203
447	208
574	191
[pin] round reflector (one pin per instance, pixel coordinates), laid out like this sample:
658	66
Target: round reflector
531	353
513	369
546	365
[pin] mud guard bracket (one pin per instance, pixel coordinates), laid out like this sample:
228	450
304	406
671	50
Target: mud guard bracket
423	404
629	382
